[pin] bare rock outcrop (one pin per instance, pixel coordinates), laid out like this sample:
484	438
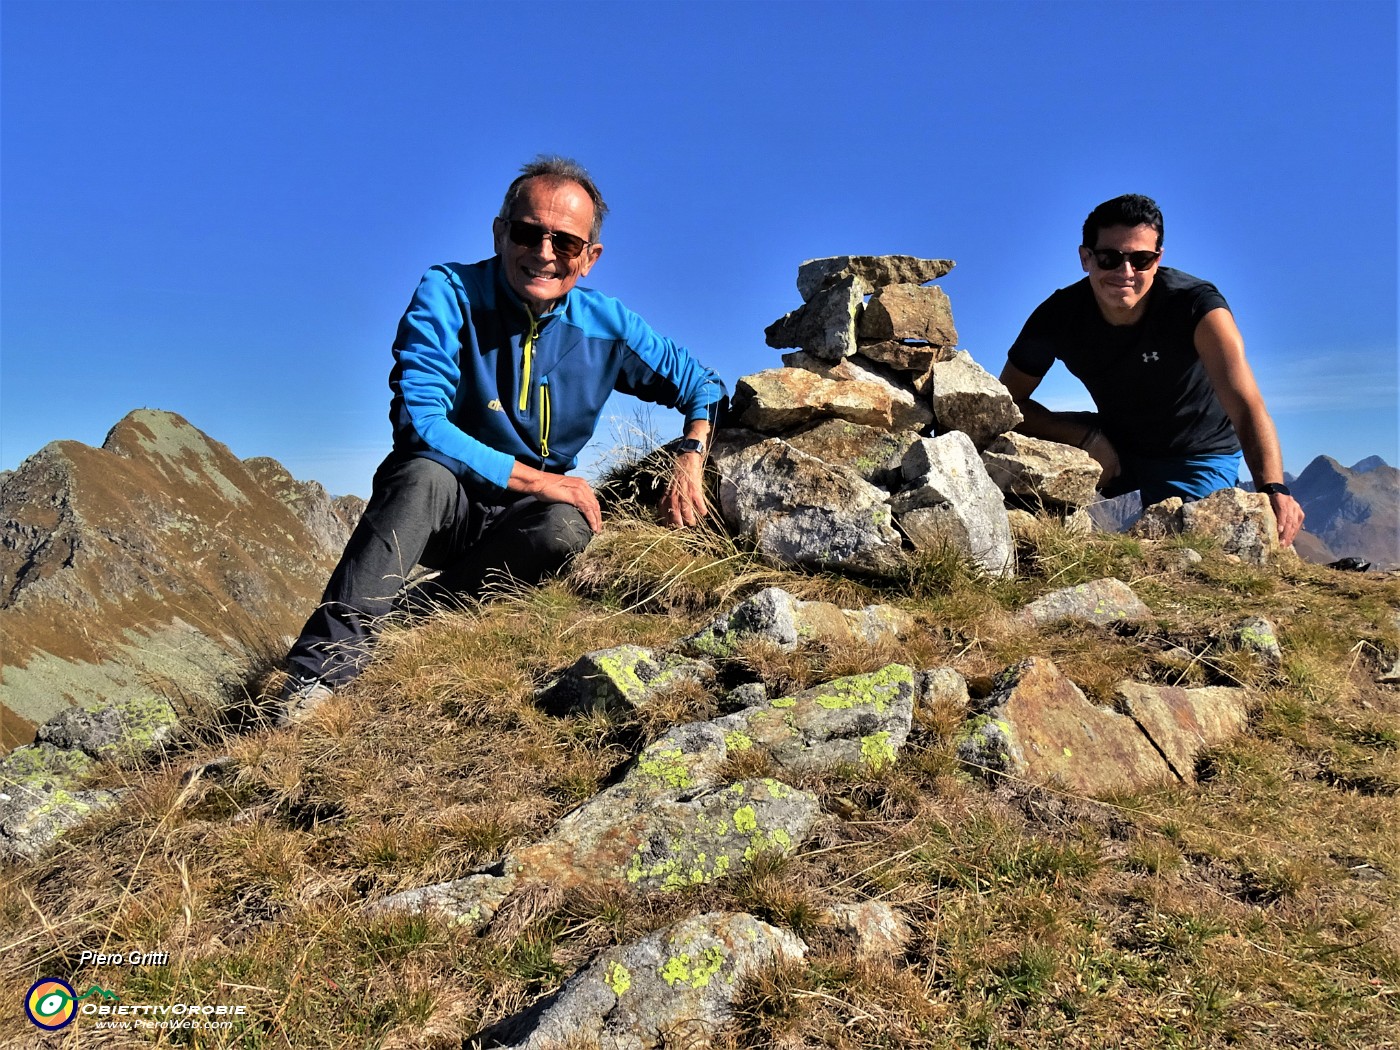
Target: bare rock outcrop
1037	725
950	499
1241	523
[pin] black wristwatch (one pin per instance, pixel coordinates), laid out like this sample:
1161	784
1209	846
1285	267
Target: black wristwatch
691	445
1274	488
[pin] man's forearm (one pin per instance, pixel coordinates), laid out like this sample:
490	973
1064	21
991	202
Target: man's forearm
1064	427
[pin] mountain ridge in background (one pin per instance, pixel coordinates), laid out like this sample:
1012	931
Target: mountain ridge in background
158	558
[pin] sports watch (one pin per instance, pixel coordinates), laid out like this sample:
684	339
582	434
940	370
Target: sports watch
1274	488
691	445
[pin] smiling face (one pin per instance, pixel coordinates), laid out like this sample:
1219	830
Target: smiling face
1121	292
539	275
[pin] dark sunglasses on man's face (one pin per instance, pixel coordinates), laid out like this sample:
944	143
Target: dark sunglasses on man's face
1112	258
528	235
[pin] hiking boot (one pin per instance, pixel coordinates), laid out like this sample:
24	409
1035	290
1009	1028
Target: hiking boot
299	697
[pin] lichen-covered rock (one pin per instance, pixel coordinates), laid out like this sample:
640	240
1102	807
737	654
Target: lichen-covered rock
1042	473
673	988
967	397
870	271
705	836
908	311
824	325
871	453
669	823
1107	601
778	617
471	902
796	510
127	731
626	676
1258	636
1037	725
1241	523
41	797
951	499
861	721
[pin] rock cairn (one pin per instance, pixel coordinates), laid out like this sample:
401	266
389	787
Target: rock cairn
878	435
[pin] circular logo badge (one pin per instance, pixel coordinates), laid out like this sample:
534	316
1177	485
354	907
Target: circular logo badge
51	1003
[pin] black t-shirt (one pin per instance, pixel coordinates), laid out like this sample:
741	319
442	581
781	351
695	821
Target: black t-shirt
1153	395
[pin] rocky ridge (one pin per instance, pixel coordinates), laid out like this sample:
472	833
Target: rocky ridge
158	558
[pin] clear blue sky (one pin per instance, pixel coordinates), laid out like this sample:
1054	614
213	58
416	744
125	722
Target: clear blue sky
222	208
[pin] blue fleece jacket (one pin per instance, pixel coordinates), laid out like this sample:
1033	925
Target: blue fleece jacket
479	382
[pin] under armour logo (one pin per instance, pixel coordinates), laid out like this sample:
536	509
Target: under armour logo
1150	357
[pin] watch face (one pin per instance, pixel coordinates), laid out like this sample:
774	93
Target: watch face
692	445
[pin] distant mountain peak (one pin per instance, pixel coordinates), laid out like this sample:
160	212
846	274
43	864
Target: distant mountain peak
1370	463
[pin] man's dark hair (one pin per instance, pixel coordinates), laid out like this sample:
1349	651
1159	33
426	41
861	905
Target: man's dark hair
560	169
1131	209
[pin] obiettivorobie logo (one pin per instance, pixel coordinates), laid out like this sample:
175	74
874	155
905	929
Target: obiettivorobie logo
52	1003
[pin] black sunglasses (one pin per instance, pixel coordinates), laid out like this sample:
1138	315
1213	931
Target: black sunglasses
528	235
1112	258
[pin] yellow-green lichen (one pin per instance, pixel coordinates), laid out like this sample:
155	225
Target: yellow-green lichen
693	971
666	764
878	689
876	752
745	820
737	741
784	701
618	978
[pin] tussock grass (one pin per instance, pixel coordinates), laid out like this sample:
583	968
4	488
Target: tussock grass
1256	908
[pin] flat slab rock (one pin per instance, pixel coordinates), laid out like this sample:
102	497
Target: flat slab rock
1105	602
1037	725
673	988
780	399
1042	473
870	271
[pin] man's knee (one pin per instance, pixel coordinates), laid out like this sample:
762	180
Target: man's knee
415	487
561	532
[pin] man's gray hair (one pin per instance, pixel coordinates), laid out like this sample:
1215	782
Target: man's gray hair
562	169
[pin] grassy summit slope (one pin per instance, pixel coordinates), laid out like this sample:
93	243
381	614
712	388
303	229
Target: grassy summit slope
1260	907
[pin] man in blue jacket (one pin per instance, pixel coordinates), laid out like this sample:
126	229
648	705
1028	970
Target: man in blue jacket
501	370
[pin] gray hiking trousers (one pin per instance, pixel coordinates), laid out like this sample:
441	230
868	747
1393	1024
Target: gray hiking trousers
419	514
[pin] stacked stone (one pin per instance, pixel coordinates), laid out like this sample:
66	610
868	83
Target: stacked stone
877	420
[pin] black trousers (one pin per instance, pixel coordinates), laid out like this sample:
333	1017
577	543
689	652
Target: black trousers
419	514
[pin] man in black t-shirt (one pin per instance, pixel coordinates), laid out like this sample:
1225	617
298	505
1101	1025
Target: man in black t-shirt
1160	354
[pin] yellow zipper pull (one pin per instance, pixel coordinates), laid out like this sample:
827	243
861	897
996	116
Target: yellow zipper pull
527	353
544	418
